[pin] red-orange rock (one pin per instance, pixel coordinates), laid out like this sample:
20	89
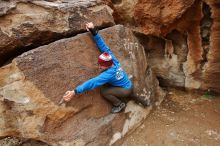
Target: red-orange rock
197	55
212	68
149	16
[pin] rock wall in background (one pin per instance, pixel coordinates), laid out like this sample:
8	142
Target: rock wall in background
32	85
181	39
211	73
25	25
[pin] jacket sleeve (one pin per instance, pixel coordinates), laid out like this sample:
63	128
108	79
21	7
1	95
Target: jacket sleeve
99	80
104	48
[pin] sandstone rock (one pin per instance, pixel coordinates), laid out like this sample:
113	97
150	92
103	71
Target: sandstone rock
201	66
163	19
211	71
32	85
189	24
149	16
124	10
193	58
27	24
166	57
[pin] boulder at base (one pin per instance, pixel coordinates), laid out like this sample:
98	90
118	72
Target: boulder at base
33	84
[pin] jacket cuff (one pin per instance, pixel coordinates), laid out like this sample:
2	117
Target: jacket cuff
94	31
75	91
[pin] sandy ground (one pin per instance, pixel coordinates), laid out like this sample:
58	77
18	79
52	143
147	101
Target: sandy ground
183	119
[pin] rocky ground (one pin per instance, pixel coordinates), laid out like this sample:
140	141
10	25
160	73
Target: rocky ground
183	119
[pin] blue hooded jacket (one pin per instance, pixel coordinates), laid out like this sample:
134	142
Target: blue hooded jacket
114	75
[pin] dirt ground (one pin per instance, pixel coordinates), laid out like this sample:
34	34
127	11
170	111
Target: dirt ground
183	119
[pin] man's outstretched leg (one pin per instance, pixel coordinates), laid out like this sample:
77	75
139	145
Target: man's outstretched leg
116	96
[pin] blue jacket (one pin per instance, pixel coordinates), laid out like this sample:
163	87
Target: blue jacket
114	75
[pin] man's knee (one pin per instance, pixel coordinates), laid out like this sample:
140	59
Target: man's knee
103	91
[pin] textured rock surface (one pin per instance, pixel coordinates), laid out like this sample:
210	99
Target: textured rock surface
32	85
189	25
26	24
166	57
212	67
124	10
185	52
149	16
201	67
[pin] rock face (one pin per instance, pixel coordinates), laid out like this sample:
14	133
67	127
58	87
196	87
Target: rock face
166	57
26	24
150	16
153	15
212	67
32	85
183	51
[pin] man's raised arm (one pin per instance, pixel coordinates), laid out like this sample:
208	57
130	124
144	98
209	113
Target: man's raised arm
100	42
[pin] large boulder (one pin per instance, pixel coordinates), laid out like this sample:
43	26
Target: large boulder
33	84
26	24
195	44
177	56
184	48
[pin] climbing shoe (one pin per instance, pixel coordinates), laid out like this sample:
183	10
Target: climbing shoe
119	108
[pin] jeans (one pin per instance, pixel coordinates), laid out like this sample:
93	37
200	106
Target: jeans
115	95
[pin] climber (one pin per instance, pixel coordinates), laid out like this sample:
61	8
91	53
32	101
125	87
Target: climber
116	84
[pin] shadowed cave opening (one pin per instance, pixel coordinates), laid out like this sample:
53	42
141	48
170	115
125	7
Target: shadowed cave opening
205	31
